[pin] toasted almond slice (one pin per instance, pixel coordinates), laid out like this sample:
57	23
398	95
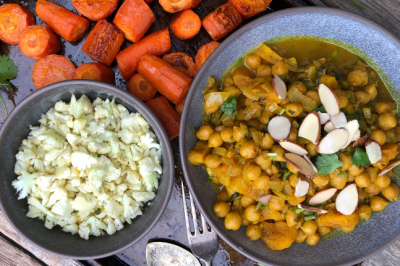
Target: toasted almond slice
302	187
389	167
312	165
329	127
279	87
322	196
352	128
347	200
279	128
361	141
313	209
333	142
328	99
310	128
373	150
293	147
339	120
357	135
300	164
323	117
264	199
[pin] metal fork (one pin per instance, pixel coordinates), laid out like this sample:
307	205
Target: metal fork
203	245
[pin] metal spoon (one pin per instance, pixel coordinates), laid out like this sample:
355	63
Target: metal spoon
166	254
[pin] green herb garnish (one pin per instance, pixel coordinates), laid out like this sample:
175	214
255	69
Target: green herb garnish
282	111
327	163
209	179
320	109
234	196
229	106
358	5
310	217
306	82
285	176
7	71
344	174
272	154
261	206
360	158
98	155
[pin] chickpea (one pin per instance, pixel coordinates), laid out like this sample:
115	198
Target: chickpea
264	118
264	71
254	124
382	108
348	229
230	192
343	98
355	171
248	149
227	134
312	240
253	171
291	218
387	121
373	173
284	102
357	78
362	97
253	61
371	90
238	134
313	94
391	192
309	227
245	222
382	181
262	182
253	232
251	214
300	236
364	211
233	220
345	158
219	128
378	136
223	196
221	209
292	135
233	90
240	115
351	178
204	132
320	180
373	189
300	86
323	230
350	109
248	101
279	151
377	203
311	149
215	140
212	161
294	109
337	181
363	179
227	82
263	160
291	168
280	69
293	180
246	201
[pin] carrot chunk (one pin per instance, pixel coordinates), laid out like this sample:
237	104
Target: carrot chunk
175	6
95	71
222	21
179	106
134	18
65	23
37	42
51	69
250	8
167	80
183	62
186	25
13	19
167	115
103	42
139	87
157	43
148	1
204	52
95	10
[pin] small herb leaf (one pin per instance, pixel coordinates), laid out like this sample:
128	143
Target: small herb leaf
229	106
327	163
360	158
234	196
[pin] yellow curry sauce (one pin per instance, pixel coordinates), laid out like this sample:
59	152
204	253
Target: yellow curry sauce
252	168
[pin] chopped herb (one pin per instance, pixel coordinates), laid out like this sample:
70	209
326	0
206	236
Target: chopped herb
261	206
234	196
299	210
320	72
272	154
334	54
311	217
327	163
237	115
228	171
286	79
240	60
282	111
307	212
97	212
229	106
358	5
259	264
7	71
306	82
360	158
194	130
98	155
344	174
248	135
288	173
209	179
283	191
339	77
320	109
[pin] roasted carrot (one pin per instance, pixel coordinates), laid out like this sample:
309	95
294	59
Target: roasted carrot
183	62
51	69
37	42
166	79
186	24
95	10
13	19
134	18
204	52
65	23
139	87
179	106
157	43
175	6
249	8
222	21
148	1
95	71
103	42
167	115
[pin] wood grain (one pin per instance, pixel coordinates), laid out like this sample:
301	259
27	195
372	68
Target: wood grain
11	255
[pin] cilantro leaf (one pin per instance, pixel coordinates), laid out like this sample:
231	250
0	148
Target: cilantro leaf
229	106
4	106
310	217
327	163
344	174
7	71
288	173
282	111
320	109
306	82
234	196
360	158
261	206
209	179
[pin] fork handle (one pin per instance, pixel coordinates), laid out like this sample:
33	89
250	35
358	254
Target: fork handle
206	263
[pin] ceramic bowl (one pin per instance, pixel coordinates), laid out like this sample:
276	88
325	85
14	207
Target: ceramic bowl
16	128
358	34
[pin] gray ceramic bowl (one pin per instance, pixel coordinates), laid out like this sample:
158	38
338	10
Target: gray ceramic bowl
375	42
16	128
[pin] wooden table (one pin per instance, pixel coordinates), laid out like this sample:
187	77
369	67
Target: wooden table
15	250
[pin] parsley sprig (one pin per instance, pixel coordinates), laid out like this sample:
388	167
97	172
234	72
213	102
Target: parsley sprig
7	71
229	106
327	163
360	158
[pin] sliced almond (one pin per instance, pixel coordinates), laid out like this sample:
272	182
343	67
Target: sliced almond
357	135
373	150
323	117
339	120
310	128
329	100
293	147
361	141
313	209
347	200
279	128
302	187
279	87
333	142
264	199
300	164
322	196
352	128
329	127
312	165
389	167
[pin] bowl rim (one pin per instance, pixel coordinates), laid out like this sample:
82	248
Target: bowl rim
142	109
221	47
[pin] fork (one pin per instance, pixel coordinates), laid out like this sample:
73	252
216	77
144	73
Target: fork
203	245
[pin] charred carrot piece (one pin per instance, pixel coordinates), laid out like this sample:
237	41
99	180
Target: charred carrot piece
179	106
134	18
175	6
204	52
166	79
183	62
37	42
250	8
65	23
95	10
103	42
222	21
148	1
139	87
157	43
186	25
167	115
51	69
13	19
95	71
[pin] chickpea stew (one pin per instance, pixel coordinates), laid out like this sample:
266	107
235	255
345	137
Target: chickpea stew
301	137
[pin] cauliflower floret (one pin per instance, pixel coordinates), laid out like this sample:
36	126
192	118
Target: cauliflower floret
61	107
63	208
35	202
127	136
84	202
118	224
95	225
75	107
25	183
150	182
137	152
82	160
63	172
147	166
110	225
35	213
52	138
143	196
113	209
79	124
58	194
71	228
122	111
112	174
84	232
87	105
131	207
